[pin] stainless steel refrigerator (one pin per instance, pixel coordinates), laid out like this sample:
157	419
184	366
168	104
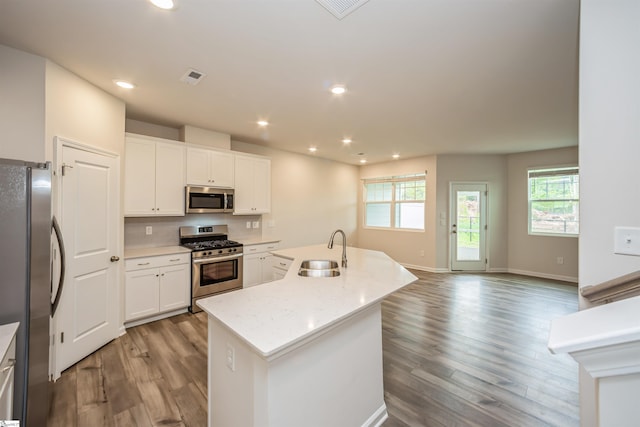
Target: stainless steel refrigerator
25	280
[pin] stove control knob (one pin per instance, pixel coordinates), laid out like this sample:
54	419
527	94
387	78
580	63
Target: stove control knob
220	251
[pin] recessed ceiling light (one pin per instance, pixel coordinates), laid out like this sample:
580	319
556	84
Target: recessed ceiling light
263	123
124	85
163	4
363	161
347	140
338	90
313	149
396	156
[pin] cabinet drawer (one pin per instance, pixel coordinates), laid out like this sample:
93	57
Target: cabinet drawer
281	263
262	247
157	261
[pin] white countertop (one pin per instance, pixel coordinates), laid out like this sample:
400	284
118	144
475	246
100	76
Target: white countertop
605	325
6	335
154	251
273	316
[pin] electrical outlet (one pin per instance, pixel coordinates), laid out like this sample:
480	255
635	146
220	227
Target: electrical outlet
248	224
256	224
560	260
231	357
148	230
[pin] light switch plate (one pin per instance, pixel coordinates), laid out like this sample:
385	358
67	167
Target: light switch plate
256	224
626	241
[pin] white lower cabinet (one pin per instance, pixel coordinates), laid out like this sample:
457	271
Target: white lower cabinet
156	285
7	364
257	264
280	266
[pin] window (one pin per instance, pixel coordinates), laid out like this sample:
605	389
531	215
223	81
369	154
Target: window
395	202
554	201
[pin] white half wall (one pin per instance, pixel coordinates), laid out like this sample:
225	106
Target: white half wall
609	146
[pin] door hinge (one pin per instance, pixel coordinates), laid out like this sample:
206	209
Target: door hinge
486	260
485	226
64	168
486	193
61	337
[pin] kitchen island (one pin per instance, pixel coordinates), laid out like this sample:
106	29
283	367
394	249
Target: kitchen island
302	351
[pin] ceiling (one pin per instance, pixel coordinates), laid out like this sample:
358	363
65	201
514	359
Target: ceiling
422	76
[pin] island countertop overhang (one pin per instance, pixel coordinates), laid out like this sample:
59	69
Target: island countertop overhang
279	315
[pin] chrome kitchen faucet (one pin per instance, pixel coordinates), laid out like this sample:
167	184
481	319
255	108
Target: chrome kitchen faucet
344	246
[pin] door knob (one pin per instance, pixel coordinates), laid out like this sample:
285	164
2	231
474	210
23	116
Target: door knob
115	258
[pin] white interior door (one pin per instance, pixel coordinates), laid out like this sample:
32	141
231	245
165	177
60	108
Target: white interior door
468	227
89	204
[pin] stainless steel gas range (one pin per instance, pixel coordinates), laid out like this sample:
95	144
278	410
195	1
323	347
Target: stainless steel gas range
216	262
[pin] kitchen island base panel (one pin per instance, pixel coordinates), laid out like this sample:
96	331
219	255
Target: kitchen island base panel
333	380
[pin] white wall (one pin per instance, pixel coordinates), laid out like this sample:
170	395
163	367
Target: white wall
609	144
537	255
310	197
403	246
150	129
22	105
79	111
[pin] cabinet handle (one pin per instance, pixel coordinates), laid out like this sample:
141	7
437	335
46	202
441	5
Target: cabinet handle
174	260
10	364
157	275
283	264
144	263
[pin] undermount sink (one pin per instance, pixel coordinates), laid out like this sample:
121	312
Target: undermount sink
319	268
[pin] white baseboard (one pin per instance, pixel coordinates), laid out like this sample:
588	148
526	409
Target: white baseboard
498	270
378	417
154	318
544	275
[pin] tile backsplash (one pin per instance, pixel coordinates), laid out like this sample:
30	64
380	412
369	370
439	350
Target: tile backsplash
165	229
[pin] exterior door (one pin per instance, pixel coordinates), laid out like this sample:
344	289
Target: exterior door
468	227
87	317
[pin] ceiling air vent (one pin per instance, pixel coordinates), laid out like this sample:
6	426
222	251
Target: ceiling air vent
341	8
192	77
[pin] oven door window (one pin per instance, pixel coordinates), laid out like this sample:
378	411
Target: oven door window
216	272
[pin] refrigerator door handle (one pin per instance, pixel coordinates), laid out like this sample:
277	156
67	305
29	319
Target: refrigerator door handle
56	300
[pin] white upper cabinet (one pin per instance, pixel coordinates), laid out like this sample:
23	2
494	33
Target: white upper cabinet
252	185
209	167
154	177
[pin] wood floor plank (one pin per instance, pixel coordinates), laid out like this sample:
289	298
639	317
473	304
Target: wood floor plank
64	408
458	350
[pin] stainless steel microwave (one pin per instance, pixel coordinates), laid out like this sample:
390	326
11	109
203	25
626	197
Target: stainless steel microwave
208	200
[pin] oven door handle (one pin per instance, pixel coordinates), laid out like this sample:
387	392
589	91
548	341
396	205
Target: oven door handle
216	259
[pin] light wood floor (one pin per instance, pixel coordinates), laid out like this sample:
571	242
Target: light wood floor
459	350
